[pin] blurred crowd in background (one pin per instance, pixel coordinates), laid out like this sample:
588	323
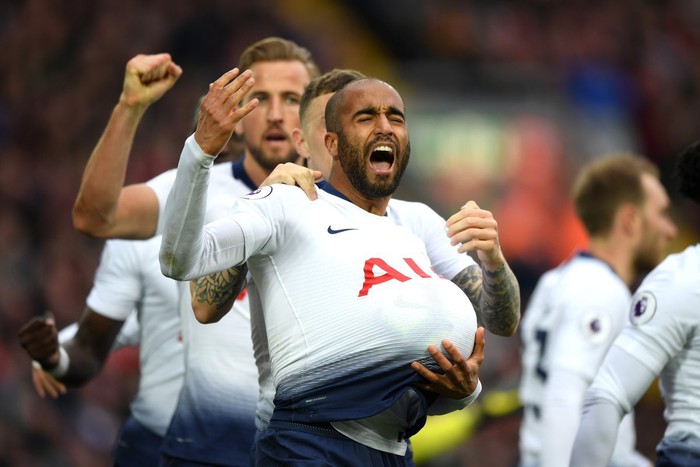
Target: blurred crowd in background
505	100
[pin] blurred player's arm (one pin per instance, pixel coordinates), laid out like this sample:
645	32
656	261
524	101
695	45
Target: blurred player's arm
79	359
561	414
213	295
104	208
619	384
491	286
459	386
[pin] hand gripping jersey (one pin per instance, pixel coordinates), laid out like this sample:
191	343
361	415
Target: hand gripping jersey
128	278
349	298
215	417
575	313
662	338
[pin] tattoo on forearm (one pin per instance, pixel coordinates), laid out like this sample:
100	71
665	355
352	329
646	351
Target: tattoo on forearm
495	296
220	289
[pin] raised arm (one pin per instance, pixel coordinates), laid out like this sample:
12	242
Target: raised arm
491	286
105	208
79	359
183	242
214	295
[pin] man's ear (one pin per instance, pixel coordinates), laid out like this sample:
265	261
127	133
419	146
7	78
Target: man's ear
331	140
300	143
629	217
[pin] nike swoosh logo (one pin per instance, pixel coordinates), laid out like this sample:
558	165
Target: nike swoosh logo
333	231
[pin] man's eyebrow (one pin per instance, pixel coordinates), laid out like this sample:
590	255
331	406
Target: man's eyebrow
375	111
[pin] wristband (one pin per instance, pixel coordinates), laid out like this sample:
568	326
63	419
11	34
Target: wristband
472	397
63	362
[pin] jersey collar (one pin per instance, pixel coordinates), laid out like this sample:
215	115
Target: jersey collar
588	254
239	173
328	188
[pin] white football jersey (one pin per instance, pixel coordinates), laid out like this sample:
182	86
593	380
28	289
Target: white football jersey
574	314
349	298
128	278
446	261
664	335
215	418
661	338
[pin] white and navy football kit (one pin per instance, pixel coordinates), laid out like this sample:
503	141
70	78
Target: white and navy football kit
349	297
128	278
214	422
574	314
662	338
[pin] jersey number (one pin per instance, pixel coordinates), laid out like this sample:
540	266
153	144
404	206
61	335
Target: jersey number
541	337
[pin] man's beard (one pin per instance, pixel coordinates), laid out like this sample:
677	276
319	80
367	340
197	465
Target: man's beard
352	160
269	162
648	255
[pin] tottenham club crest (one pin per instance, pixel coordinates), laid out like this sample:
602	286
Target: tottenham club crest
596	326
260	193
643	308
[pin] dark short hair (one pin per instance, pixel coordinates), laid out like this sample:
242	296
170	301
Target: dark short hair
688	172
607	183
327	83
273	49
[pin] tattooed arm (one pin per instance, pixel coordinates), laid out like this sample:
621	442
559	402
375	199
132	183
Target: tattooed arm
213	295
495	296
491	287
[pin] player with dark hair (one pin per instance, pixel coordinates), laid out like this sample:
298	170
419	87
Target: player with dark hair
661	338
308	331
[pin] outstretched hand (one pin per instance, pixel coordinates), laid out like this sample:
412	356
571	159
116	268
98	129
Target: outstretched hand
290	173
476	230
221	110
147	78
39	338
461	375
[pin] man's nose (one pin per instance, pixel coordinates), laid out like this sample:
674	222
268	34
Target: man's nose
274	110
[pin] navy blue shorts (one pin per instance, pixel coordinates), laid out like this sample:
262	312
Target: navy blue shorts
136	446
297	444
678	452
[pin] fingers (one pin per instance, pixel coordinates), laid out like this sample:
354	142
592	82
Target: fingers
473	219
39	338
294	174
438	356
147	78
45	384
36	379
150	68
474	229
232	85
425	372
220	110
479	345
454	353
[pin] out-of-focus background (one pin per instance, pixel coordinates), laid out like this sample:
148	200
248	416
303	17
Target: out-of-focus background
505	100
